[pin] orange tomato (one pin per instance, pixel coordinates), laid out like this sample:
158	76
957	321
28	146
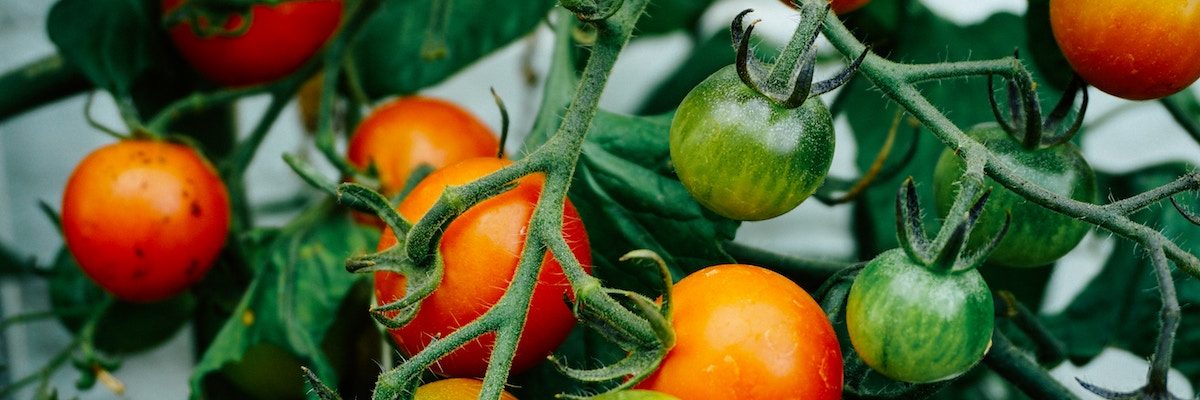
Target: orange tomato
480	251
454	389
1132	49
746	333
405	133
145	219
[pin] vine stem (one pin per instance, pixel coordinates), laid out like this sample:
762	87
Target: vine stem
38	83
896	81
1187	122
1010	362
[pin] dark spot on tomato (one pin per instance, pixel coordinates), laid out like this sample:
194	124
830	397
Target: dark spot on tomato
192	268
145	185
196	210
140	273
185	194
137	251
162	160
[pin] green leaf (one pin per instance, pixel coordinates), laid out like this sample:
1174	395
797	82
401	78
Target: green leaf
665	16
1047	57
300	281
111	42
1120	306
409	45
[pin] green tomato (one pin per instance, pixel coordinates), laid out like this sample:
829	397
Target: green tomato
1036	236
745	157
636	395
913	324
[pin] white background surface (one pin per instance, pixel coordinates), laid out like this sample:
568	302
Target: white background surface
39	149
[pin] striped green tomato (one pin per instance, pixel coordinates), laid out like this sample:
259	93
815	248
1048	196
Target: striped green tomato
745	157
914	324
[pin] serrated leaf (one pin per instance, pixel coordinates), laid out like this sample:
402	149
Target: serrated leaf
300	282
409	45
111	42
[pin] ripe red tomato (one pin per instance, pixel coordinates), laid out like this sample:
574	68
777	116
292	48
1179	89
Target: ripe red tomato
747	333
279	40
838	6
454	389
1133	49
480	250
401	135
145	219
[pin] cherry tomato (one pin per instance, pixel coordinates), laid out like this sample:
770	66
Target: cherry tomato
747	333
480	251
1036	236
744	157
454	389
145	219
838	6
401	135
1132	49
279	40
914	324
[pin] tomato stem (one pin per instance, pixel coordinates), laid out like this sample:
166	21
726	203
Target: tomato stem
1012	364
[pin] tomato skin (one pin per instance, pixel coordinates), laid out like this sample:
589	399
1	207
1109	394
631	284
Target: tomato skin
145	219
744	157
455	389
747	333
279	40
1132	49
838	6
1036	236
916	325
403	134
480	250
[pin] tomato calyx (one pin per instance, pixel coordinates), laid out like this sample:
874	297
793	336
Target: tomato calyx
796	64
593	10
949	255
209	19
1024	120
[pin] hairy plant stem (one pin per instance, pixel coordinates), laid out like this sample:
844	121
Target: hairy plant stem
897	81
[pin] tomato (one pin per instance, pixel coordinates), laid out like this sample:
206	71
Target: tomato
145	219
1133	49
913	324
838	6
744	157
480	251
635	395
401	135
1036	235
747	333
279	40
454	389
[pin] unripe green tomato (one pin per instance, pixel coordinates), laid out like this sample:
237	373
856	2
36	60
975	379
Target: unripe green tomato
636	395
745	157
913	324
1036	235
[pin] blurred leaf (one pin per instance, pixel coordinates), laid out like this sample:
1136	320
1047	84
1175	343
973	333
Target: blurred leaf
125	328
1047	57
666	16
1120	306
410	45
111	42
300	282
706	58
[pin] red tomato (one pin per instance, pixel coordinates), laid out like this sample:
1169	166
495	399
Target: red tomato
407	132
279	40
480	250
454	389
145	219
1133	49
747	333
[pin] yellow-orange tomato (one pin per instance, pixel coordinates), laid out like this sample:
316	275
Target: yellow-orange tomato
455	389
1133	49
145	219
480	251
405	133
838	6
746	333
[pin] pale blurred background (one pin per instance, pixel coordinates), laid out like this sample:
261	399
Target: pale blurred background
39	149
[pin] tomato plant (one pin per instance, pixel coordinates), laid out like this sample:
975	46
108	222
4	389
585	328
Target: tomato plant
838	6
480	254
408	132
745	332
269	47
1128	48
454	389
1037	236
915	324
744	156
145	219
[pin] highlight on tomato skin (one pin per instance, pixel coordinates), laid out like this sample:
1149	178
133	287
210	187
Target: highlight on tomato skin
1133	49
747	333
269	49
145	219
480	251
